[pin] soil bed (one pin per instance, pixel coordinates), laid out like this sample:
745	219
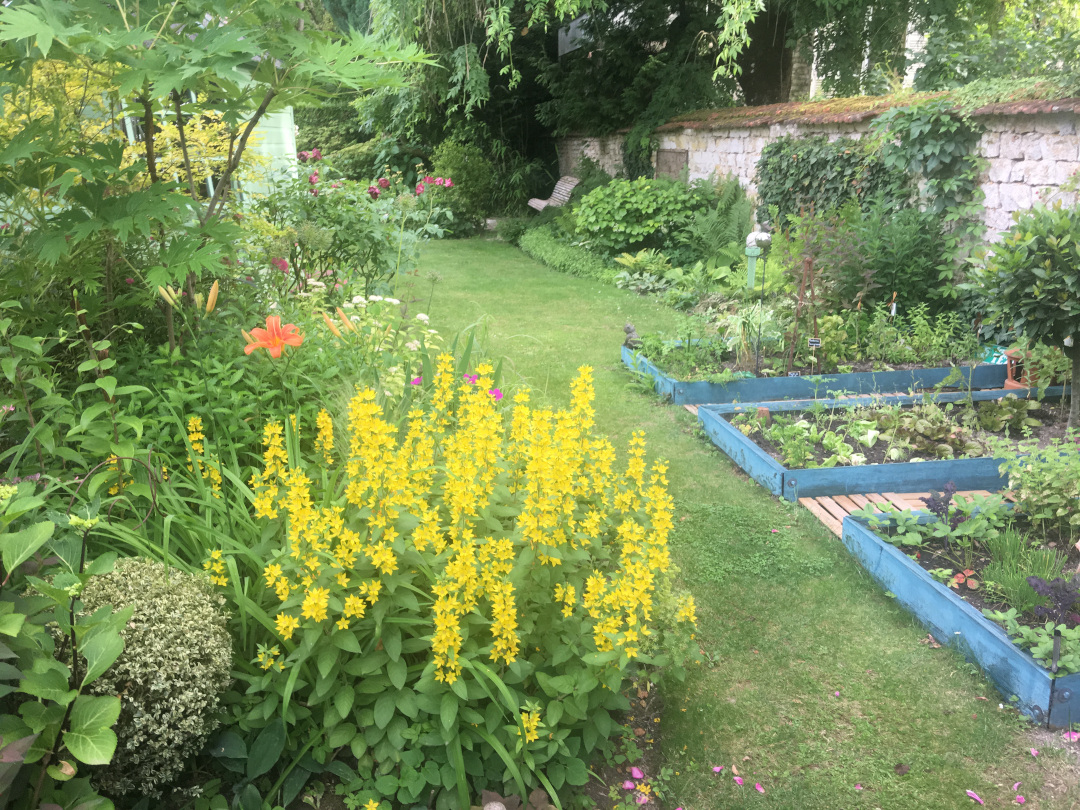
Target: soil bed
956	428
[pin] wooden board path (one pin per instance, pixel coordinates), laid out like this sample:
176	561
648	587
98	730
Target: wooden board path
831	510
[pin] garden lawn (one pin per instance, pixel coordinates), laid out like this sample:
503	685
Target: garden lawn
786	618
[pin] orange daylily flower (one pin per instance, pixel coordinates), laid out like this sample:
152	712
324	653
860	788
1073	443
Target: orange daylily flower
274	337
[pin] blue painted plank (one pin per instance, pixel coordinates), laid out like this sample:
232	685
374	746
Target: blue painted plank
965	473
1065	709
758	464
779	388
953	621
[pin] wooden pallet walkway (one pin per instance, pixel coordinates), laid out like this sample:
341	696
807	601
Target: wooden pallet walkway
831	510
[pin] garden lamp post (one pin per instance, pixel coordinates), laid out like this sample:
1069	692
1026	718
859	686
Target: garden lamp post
756	244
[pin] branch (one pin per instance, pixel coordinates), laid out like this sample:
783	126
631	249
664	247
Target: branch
234	160
148	137
184	147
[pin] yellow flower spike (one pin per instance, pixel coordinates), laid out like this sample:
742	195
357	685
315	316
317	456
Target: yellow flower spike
331	325
211	300
286	625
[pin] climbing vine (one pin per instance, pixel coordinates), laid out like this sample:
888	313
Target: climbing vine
937	144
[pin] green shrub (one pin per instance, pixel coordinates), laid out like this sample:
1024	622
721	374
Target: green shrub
472	174
542	245
330	125
175	664
804	175
631	215
510	229
719	233
359	161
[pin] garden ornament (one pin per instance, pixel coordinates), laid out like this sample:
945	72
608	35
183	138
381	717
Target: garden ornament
632	340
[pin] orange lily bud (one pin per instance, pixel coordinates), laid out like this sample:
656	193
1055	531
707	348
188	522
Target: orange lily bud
331	325
211	300
345	320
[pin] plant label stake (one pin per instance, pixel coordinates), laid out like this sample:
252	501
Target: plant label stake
807	278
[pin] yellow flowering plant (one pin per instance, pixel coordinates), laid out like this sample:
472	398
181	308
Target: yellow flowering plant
459	602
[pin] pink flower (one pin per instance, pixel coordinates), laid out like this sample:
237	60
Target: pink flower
280	264
836	694
858	786
448	184
717	768
1034	751
738	780
129	280
5	226
303	157
495	392
635	772
1016	786
314	192
627	785
758	787
974	796
1072	736
641	798
313	178
472	378
384	183
1020	799
419	188
439	181
417	380
335	185
429	179
373	192
316	154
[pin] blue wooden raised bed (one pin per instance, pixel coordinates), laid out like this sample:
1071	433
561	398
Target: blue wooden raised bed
911	476
953	621
764	389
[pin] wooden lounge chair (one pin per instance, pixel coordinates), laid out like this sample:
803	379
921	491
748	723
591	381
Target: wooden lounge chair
560	195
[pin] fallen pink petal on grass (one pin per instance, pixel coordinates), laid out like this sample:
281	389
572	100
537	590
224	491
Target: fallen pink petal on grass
836	694
974	797
775	531
628	785
738	780
642	799
1016	786
758	787
858	786
1020	800
717	768
637	773
1034	751
1072	736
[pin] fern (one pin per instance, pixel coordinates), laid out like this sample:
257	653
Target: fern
717	234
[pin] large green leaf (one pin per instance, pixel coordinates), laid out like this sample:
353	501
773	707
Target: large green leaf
266	750
100	649
18	547
90	738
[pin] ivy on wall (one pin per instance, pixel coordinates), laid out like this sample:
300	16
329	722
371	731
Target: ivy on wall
800	175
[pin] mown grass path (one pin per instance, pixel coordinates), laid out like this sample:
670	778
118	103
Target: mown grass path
787	619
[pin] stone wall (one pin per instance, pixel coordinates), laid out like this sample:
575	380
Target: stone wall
1028	155
606	151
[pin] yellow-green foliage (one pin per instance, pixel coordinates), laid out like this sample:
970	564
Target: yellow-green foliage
463	602
175	664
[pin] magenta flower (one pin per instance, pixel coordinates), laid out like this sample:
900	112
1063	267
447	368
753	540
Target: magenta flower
280	264
439	181
628	785
316	154
373	192
1072	736
974	796
472	378
738	780
429	179
758	787
635	772
129	280
448	184
836	694
495	392
304	156
419	188
313	178
417	380
335	185
384	183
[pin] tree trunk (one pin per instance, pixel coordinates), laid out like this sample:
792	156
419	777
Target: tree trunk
1074	401
766	61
